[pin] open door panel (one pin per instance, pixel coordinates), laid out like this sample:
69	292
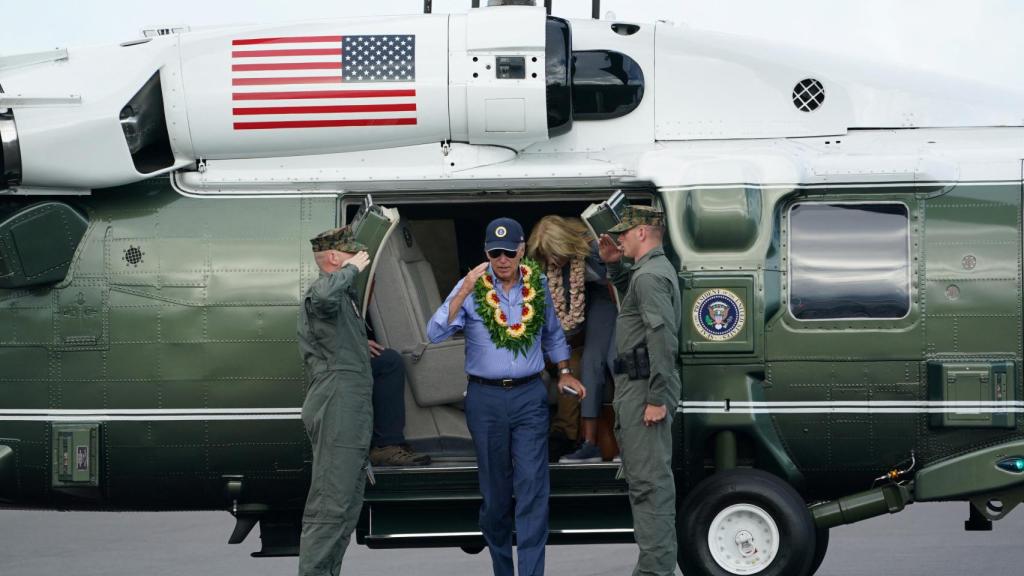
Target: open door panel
600	218
372	226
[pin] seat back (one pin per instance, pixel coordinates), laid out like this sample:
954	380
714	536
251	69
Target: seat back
405	297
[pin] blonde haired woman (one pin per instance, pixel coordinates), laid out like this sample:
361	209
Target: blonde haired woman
584	306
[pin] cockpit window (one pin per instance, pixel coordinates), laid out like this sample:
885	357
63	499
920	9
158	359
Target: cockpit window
605	84
849	261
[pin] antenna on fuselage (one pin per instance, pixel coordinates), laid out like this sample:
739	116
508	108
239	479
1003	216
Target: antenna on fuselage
595	10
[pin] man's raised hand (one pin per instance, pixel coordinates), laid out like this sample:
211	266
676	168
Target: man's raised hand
472	277
361	260
608	249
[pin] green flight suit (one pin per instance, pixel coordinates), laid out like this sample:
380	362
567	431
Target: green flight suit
338	416
649	315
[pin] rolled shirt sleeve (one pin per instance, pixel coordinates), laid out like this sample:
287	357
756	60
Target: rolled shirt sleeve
326	291
438	328
654	294
552	336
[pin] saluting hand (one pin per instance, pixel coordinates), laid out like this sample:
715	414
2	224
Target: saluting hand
472	277
608	249
361	260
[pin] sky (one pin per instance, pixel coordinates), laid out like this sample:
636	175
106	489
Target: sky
973	39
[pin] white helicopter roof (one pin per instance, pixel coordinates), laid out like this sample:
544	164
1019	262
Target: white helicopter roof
709	100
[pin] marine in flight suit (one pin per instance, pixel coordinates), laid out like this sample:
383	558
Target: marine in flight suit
647	385
338	410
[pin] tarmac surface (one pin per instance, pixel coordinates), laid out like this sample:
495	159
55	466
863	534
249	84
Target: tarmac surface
924	540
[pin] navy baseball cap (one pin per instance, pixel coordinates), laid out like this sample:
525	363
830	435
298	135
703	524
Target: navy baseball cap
504	233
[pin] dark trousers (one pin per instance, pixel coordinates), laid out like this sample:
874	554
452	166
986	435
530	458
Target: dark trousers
388	398
510	432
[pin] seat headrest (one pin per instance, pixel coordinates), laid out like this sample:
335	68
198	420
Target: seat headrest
404	243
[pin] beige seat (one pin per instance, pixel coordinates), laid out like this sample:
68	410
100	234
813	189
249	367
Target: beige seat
405	296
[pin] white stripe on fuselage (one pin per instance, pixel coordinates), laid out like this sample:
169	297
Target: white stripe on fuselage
151	414
853	407
685	407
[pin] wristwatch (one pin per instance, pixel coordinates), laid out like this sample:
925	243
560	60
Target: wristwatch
564	371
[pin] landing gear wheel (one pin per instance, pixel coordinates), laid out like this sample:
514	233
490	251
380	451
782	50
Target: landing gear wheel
743	522
820	548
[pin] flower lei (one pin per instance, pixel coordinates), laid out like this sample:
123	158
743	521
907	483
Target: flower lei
517	337
573	316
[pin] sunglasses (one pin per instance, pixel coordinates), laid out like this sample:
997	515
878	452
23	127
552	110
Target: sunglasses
496	253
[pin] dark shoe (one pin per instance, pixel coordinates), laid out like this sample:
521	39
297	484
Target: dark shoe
397	455
558	446
587	454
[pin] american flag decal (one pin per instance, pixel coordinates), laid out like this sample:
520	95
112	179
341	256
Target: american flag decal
323	81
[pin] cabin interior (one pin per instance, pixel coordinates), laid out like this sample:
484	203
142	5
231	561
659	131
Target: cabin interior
434	245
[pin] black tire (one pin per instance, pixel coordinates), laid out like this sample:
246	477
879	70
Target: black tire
820	548
773	496
472	549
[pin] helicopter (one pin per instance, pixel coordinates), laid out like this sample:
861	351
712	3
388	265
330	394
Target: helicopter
848	241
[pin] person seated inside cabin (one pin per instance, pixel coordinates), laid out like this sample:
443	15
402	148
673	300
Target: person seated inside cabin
584	305
388	446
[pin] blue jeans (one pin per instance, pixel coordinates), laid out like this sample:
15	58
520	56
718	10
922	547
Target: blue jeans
510	431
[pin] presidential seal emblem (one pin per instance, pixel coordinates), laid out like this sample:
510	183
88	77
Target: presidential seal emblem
719	315
501	231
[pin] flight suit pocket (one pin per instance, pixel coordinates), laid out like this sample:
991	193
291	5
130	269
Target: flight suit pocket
346	419
354	426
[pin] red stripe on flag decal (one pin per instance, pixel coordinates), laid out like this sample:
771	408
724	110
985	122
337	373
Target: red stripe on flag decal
287	66
411	107
292	52
324	123
316	94
316	88
288	40
296	80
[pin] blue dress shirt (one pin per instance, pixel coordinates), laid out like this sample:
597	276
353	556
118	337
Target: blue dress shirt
483	358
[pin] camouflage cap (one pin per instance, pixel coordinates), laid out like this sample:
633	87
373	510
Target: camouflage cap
340	239
634	216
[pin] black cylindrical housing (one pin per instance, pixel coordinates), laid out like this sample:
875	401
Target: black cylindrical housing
558	72
10	151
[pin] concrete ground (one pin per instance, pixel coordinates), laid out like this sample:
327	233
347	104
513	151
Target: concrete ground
924	540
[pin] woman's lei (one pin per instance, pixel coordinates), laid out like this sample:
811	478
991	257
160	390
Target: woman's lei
516	337
569	316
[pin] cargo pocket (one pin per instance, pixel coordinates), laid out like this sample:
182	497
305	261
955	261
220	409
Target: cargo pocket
353	427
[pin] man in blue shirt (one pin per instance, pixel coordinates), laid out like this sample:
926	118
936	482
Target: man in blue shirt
506	401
